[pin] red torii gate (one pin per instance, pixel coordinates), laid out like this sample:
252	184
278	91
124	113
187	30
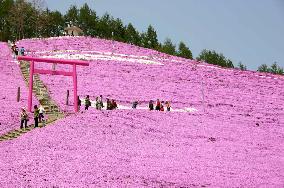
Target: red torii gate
52	72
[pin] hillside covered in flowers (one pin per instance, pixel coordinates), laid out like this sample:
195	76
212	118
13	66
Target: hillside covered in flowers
233	138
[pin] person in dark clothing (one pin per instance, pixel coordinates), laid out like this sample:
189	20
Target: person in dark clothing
36	115
17	51
113	104
151	105
79	103
24	118
87	102
135	104
158	105
162	106
109	105
22	51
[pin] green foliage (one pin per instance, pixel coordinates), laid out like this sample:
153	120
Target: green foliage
184	51
263	68
242	66
132	35
5	25
214	58
168	47
119	31
274	68
72	15
104	29
26	19
87	20
150	39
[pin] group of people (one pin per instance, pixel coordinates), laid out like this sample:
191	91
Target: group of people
160	105
111	104
38	114
18	51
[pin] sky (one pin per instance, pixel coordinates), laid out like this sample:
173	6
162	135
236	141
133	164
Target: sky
247	31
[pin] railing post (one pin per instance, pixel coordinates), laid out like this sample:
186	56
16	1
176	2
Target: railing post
30	99
75	88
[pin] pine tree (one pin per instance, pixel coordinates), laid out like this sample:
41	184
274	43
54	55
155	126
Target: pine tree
72	15
132	35
168	47
214	58
151	40
184	51
242	66
263	68
87	20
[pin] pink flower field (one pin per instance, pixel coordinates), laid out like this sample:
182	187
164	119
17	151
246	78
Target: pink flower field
234	139
10	79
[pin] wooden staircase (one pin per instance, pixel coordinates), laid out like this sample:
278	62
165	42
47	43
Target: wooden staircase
42	94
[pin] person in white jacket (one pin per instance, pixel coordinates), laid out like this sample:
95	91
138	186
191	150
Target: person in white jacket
41	112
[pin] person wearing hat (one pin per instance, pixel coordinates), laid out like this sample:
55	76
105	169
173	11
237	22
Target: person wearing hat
24	118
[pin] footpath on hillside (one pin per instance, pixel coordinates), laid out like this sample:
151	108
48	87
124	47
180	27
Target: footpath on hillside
41	92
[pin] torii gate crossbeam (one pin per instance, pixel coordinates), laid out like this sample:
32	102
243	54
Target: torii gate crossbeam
33	71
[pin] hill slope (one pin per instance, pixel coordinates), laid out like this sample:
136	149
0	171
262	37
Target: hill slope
237	143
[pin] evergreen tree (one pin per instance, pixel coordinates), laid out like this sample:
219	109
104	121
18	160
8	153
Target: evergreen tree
214	58
103	26
5	25
168	47
132	35
242	66
87	20
150	38
275	69
263	68
72	15
184	51
118	30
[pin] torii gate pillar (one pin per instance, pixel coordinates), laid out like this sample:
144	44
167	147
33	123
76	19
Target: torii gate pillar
33	71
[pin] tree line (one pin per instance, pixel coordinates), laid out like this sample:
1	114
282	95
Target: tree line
27	19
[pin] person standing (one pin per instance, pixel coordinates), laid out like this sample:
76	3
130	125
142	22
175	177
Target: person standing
22	51
98	103
87	102
36	115
16	50
101	101
134	104
158	105
151	105
24	118
168	105
41	111
162	106
113	104
109	105
79	103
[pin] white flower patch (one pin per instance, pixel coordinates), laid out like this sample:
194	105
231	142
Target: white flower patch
103	57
